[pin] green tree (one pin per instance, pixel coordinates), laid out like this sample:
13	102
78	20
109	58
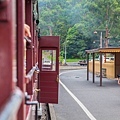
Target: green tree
76	20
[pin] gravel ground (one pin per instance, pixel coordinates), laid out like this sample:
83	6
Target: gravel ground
45	112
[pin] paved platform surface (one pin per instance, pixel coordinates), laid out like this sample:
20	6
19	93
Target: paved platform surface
69	66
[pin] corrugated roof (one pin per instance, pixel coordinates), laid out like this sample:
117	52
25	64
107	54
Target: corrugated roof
109	50
92	51
104	50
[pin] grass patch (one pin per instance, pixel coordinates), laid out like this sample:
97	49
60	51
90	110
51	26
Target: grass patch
72	60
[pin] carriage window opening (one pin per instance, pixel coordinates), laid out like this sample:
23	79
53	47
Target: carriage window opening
14	67
48	60
24	55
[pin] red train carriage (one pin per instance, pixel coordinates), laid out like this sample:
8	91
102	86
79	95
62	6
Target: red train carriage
26	79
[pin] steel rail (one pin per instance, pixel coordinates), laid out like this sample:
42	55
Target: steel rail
12	106
29	75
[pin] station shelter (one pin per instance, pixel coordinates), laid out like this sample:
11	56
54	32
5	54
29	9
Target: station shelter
111	68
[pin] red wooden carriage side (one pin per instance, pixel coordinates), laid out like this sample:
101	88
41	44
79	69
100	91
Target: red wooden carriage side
17	78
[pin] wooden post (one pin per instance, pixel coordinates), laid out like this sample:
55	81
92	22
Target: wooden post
93	67
29	51
100	69
87	66
20	52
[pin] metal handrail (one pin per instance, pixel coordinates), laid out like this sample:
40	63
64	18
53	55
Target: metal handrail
4	3
27	39
11	108
28	77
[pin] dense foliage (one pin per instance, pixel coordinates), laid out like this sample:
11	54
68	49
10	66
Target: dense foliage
76	20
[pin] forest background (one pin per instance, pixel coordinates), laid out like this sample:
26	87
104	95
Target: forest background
76	21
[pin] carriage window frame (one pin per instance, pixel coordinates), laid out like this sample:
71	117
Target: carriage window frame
48	62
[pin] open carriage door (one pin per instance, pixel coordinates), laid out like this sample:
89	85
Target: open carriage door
48	59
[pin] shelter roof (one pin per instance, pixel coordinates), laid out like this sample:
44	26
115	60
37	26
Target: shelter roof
104	50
